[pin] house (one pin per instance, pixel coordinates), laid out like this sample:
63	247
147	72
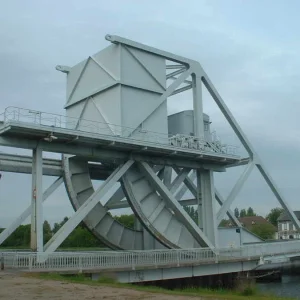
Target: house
249	222
252	221
286	230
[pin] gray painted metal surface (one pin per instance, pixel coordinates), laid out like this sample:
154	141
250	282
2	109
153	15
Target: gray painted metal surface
140	150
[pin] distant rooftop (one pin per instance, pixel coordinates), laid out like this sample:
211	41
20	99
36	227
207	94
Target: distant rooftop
284	216
248	222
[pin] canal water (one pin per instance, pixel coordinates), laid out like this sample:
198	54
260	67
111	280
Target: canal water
288	287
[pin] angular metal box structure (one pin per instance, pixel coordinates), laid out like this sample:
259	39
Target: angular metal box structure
183	123
118	87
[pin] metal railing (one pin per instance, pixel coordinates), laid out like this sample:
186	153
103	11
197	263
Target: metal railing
143	259
22	115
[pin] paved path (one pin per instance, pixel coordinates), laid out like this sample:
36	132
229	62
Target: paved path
13	286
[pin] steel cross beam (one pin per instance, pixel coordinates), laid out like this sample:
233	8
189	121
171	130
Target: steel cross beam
189	183
230	213
184	188
244	140
26	213
190	186
234	192
89	204
175	206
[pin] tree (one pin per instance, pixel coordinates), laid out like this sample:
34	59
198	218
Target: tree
274	214
56	227
243	213
192	212
126	220
19	238
264	231
236	212
225	223
250	212
47	232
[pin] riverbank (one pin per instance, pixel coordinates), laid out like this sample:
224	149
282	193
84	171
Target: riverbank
53	286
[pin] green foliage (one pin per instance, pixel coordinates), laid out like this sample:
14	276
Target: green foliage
250	212
264	231
236	212
126	220
192	213
47	231
19	238
243	213
80	237
273	215
249	290
246	213
225	223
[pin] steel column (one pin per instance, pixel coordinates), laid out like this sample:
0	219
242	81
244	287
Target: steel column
199	200
36	241
208	206
167	176
198	106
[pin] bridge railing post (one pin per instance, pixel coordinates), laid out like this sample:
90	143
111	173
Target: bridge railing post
132	261
30	263
80	264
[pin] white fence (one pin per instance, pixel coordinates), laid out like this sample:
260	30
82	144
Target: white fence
110	260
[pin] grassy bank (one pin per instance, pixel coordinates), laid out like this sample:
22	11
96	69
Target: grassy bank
220	294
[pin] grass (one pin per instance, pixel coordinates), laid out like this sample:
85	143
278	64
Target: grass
244	293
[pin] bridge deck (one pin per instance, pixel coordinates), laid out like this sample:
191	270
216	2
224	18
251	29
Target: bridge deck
119	146
35	126
180	263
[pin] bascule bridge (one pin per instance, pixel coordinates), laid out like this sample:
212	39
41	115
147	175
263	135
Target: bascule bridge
117	129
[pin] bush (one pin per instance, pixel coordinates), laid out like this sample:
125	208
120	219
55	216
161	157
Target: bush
246	287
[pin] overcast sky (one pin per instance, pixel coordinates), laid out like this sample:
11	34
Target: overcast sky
249	49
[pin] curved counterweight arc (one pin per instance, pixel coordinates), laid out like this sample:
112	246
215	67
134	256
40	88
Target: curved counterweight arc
159	220
79	188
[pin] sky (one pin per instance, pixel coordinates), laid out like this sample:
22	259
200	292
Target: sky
249	49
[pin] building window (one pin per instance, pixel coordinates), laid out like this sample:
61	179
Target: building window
284	226
291	236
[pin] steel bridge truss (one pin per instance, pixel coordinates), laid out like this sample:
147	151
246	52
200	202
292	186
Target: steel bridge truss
144	171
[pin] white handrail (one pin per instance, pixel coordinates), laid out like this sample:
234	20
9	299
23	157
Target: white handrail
138	259
21	115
